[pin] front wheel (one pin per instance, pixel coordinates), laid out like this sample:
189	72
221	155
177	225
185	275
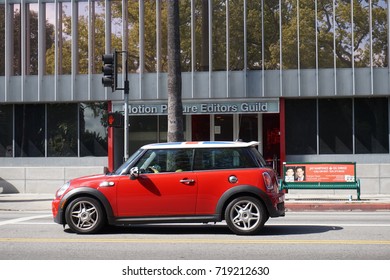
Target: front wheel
85	215
245	215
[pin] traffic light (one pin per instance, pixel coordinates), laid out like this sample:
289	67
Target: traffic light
115	119
110	72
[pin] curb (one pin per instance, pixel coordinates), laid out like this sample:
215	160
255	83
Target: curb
344	206
42	202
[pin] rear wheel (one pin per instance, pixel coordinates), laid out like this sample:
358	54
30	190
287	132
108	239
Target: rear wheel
245	215
85	215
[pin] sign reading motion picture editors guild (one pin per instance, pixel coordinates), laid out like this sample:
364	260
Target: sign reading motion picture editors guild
320	172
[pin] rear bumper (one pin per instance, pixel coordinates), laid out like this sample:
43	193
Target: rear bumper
278	208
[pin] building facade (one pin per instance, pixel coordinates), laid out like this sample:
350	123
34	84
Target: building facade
308	79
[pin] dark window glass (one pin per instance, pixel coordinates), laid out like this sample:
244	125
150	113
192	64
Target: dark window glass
30	130
93	129
223	127
335	126
200	127
163	128
248	127
148	129
156	161
142	130
371	125
301	127
222	159
62	130
6	125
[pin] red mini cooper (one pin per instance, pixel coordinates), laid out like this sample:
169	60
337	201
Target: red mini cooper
176	182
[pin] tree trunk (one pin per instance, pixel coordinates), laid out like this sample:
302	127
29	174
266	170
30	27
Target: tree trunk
175	106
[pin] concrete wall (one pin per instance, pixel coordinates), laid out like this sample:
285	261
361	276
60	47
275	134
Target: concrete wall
41	179
200	85
374	178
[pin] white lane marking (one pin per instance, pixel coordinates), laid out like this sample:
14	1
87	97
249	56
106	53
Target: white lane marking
15	221
329	225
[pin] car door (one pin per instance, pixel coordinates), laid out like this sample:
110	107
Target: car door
162	187
217	171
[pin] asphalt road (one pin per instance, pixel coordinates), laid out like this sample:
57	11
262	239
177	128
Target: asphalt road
298	236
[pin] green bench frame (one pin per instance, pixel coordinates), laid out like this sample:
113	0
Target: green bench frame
355	185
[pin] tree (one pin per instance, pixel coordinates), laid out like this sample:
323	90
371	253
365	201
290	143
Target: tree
175	106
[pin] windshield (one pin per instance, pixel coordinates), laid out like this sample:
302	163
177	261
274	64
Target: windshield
124	167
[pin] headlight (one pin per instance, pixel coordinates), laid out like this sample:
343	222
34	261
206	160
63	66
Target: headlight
61	190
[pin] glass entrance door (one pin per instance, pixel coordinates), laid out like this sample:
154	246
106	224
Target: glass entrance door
200	127
223	127
271	140
248	127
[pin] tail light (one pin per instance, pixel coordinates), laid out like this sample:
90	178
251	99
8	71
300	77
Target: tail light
268	181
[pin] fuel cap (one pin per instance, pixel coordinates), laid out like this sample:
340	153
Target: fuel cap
233	179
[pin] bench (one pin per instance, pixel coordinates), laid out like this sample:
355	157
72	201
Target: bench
320	175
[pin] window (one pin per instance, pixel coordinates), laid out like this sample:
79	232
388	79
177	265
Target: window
6	125
143	130
93	132
335	126
62	130
248	127
223	127
222	159
371	125
82	38
54	130
156	161
200	127
16	44
148	129
65	38
30	130
301	126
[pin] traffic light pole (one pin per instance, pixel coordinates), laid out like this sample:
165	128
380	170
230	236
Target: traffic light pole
126	122
110	79
126	90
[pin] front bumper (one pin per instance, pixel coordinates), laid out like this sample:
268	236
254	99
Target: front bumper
57	211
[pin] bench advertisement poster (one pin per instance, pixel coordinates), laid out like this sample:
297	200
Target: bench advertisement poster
319	172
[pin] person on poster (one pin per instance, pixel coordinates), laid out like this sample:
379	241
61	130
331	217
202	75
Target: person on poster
290	174
300	173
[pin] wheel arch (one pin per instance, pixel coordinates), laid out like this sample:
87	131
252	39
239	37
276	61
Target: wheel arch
86	192
238	191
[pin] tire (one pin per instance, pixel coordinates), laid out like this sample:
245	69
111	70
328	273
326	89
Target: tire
85	215
245	215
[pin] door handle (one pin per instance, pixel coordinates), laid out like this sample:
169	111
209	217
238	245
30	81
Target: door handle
187	181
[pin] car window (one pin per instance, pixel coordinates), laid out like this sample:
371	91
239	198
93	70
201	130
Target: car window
259	158
222	159
165	160
124	168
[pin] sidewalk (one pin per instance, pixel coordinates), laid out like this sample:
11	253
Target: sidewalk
312	202
25	202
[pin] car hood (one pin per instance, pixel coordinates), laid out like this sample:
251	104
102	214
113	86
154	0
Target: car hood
91	180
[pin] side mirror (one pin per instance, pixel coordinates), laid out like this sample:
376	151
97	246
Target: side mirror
134	173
